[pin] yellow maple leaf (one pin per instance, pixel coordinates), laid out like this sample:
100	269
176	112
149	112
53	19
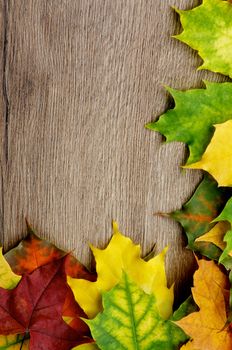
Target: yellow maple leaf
90	346
188	346
13	342
217	159
207	326
8	279
216	234
123	255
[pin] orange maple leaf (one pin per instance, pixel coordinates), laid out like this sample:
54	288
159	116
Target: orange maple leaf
206	327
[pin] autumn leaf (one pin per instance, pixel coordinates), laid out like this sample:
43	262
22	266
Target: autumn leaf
226	213
35	308
188	346
14	342
226	257
89	346
195	113
131	320
217	158
226	216
207	327
216	235
208	29
8	279
123	255
71	315
197	214
186	308
75	269
33	252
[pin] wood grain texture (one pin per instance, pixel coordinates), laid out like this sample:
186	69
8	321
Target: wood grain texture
81	78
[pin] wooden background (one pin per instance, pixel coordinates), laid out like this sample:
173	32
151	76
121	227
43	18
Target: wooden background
79	79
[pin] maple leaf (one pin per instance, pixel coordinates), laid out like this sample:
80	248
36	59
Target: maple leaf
226	257
195	113
217	158
226	213
197	214
90	346
8	279
71	315
208	327
122	255
14	342
33	252
188	346
208	29
37	304
186	308
226	216
131	320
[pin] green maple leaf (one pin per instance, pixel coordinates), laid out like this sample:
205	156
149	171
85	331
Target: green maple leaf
197	214
208	29
226	258
130	320
195	113
226	215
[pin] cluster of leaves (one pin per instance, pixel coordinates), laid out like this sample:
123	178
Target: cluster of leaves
35	298
48	300
202	119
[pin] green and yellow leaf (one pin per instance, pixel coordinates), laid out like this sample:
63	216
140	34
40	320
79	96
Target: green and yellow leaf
13	342
90	346
195	113
216	235
123	255
217	158
208	29
8	279
131	320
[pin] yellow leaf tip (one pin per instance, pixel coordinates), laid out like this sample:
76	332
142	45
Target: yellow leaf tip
115	227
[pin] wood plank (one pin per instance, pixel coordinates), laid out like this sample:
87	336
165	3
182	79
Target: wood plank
3	112
83	78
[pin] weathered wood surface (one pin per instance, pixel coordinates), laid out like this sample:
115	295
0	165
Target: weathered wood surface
79	79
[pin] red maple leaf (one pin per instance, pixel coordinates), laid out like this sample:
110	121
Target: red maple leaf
35	307
72	310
